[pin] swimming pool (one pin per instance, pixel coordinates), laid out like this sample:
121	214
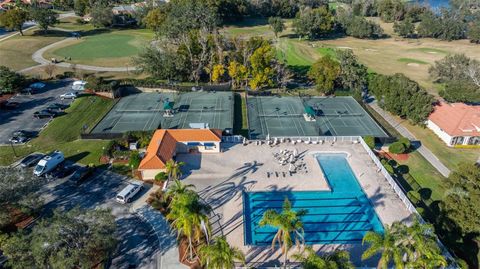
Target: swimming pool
342	215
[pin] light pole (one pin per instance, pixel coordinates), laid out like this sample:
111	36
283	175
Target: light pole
13	149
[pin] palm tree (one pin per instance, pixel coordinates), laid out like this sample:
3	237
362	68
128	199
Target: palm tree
177	189
173	169
220	255
386	244
336	260
189	216
289	227
421	246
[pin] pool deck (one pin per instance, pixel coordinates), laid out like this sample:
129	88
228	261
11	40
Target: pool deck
221	178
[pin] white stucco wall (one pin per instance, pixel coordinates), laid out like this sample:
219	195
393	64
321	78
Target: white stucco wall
148	174
440	133
182	147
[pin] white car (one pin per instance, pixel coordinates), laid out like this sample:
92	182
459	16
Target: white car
79	85
127	194
68	95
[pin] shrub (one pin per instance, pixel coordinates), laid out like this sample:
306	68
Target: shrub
397	148
414	197
162	176
108	150
406	142
370	141
389	168
134	160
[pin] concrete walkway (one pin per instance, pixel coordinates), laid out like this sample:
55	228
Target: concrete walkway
168	256
424	151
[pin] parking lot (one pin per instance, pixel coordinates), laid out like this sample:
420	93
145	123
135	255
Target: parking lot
21	118
137	242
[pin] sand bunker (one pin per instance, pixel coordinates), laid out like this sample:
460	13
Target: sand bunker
413	64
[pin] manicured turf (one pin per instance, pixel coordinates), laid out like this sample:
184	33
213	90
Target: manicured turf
63	133
296	53
410	60
70	23
103	49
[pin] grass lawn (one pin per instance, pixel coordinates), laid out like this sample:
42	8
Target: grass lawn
63	133
410	60
425	175
70	23
240	108
110	48
16	52
450	157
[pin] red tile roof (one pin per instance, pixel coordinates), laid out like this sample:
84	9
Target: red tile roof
457	119
164	142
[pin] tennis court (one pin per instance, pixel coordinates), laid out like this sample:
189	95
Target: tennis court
334	116
145	111
213	108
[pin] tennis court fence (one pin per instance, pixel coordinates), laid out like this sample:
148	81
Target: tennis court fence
102	136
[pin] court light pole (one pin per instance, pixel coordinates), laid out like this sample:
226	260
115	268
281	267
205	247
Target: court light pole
13	149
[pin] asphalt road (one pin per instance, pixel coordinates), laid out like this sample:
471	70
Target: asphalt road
138	243
22	118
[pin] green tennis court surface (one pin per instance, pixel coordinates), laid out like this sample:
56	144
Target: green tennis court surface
145	111
284	116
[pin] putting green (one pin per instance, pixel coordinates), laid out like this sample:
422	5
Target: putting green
105	49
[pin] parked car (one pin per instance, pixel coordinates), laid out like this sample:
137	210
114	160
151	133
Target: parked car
48	163
18	139
126	195
28	91
8	105
81	174
58	106
61	171
55	108
79	85
37	85
31	160
20	136
44	114
68	95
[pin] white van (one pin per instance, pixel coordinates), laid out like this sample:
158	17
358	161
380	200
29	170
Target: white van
126	195
48	163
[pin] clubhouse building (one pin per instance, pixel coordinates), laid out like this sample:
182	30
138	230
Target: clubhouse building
166	143
456	123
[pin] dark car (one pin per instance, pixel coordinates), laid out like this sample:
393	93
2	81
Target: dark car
81	174
44	114
57	106
28	91
31	159
18	139
9	105
24	133
60	172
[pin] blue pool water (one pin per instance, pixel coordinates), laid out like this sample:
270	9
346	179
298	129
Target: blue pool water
342	215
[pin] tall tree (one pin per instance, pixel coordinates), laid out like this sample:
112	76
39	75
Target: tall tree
102	15
261	67
18	194
405	28
10	81
353	75
289	227
13	19
189	217
325	72
44	17
314	23
277	25
461	201
178	189
402	97
73	239
238	73
220	255
336	260
386	245
173	169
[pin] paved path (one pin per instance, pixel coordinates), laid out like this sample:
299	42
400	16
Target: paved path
166	238
424	151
